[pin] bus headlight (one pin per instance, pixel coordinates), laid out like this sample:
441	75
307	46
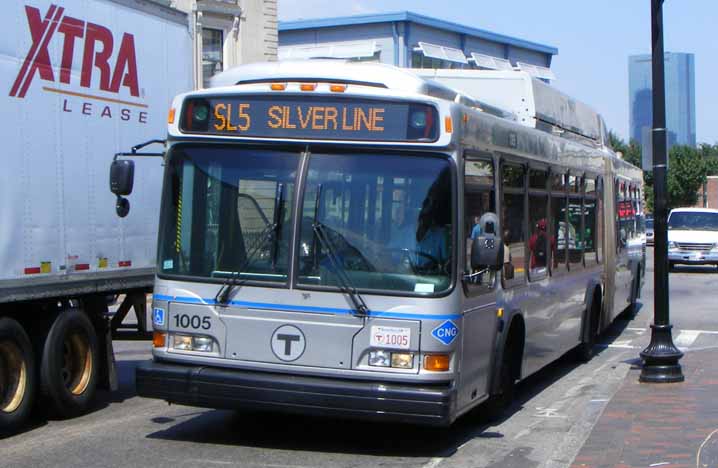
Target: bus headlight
381	358
402	360
201	343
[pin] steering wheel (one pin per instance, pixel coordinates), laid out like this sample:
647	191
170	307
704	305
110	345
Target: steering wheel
433	263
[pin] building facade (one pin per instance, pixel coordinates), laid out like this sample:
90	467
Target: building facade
708	194
227	33
409	40
680	98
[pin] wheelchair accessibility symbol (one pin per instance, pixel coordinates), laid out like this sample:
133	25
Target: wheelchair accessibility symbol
158	316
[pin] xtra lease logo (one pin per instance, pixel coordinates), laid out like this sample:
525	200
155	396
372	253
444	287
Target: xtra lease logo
97	46
446	332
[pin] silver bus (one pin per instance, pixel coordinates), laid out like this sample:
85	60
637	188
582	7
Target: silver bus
356	240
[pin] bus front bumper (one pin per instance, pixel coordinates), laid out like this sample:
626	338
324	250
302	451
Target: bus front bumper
213	387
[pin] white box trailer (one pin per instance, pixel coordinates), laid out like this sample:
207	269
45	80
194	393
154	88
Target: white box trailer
79	80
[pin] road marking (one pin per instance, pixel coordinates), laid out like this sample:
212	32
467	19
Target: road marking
542	412
698	455
636	329
433	463
707	332
659	464
686	338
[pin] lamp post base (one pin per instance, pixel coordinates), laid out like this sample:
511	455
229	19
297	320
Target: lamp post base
660	358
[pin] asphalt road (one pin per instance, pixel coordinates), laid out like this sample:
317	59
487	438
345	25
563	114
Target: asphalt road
554	414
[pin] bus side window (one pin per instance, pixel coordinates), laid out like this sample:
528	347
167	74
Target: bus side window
513	216
590	223
540	243
621	233
559	223
479	198
575	222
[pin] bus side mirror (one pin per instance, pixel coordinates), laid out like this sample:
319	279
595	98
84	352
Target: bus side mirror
487	250
122	175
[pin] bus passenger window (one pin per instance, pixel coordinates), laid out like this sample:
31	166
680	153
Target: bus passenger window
512	224
478	199
560	232
575	232
540	243
621	232
599	220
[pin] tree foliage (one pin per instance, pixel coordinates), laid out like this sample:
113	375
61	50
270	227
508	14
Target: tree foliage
687	170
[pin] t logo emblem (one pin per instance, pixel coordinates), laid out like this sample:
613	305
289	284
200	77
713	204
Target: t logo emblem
288	343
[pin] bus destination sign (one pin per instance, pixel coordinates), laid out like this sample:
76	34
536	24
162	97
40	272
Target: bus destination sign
310	118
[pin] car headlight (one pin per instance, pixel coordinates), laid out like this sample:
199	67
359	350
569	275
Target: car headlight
672	245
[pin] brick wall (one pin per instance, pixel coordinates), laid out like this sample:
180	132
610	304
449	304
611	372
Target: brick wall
712	199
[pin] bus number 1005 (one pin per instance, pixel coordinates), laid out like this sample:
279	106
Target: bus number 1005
192	321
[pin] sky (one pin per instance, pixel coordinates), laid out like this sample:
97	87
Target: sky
594	39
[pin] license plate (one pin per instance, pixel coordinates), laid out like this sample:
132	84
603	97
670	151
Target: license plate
391	337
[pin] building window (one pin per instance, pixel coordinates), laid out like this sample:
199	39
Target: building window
419	60
212	54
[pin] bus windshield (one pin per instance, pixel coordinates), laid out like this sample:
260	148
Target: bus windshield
220	206
387	217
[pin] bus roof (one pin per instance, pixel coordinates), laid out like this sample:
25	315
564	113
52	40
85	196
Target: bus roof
512	94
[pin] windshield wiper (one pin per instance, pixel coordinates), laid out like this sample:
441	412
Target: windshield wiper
345	285
269	232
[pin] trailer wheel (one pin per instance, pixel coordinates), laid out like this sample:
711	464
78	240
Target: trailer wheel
17	375
68	374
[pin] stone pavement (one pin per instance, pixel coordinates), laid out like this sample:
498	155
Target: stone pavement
660	425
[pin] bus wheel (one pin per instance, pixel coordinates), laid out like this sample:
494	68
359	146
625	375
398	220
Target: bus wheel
498	403
69	369
584	351
17	375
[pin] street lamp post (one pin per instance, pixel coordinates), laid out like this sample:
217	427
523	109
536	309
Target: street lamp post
660	358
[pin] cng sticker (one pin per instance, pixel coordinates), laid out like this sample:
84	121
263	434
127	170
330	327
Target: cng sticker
446	332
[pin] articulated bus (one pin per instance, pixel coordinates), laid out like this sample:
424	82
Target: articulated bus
356	240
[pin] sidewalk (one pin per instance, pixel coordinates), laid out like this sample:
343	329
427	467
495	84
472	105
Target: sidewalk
660	425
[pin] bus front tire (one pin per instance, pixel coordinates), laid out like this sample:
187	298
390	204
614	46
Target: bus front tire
17	376
70	360
498	403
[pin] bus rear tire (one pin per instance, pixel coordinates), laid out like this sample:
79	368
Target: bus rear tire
18	378
584	352
70	364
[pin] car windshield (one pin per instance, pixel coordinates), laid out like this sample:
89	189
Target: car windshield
649	224
387	218
693	221
219	213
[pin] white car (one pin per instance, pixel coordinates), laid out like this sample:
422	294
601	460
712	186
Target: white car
693	236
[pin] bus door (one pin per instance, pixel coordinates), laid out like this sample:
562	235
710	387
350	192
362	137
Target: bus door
479	286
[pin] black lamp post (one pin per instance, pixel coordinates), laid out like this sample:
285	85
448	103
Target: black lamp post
660	358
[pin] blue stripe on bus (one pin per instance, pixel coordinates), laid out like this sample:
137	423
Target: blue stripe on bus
294	308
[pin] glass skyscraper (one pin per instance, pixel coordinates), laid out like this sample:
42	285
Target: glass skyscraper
680	98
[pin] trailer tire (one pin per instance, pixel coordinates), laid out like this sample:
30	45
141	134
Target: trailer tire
18	377
70	364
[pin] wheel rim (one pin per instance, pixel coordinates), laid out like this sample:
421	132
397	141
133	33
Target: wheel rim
13	376
76	369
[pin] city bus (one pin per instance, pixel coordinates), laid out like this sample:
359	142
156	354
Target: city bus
355	240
